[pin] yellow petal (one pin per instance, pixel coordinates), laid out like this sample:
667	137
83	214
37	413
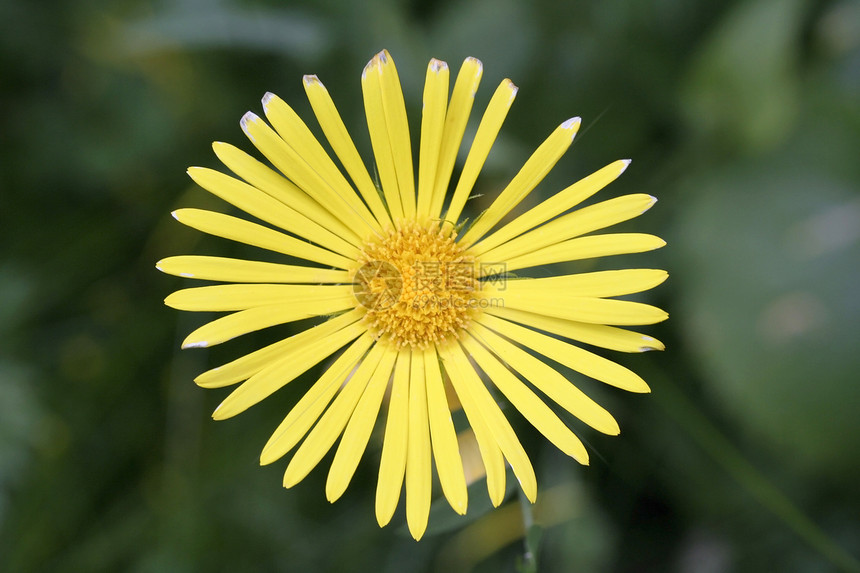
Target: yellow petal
580	222
314	401
532	173
527	402
418	471
392	466
242	271
246	366
569	355
595	334
398	131
331	424
597	284
257	318
462	98
554	206
256	235
485	407
268	209
296	134
288	160
267	180
242	296
589	247
486	135
432	126
548	380
491	453
274	376
374	110
342	144
358	430
579	308
449	465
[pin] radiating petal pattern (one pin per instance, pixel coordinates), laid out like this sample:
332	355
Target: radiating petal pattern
422	315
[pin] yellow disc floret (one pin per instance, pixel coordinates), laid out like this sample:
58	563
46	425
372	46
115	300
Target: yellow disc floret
417	285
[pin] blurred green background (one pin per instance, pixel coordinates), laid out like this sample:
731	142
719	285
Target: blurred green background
742	117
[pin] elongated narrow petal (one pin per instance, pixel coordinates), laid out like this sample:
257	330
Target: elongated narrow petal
392	466
581	308
587	248
248	365
527	402
398	131
243	296
332	423
374	108
498	425
286	369
488	130
419	475
432	127
274	184
358	430
549	381
595	334
294	131
268	209
242	231
288	160
242	271
597	284
260	317
340	140
571	356
443	437
465	383
308	409
554	206
580	222
462	98
532	173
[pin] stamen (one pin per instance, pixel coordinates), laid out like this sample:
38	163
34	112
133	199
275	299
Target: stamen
417	285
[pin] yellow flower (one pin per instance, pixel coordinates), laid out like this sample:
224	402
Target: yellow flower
415	300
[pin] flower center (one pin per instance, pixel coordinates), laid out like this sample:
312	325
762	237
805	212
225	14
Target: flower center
417	285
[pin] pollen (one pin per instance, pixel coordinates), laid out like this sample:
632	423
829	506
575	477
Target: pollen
417	285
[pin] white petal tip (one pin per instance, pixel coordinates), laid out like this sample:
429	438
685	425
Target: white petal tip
572	123
198	344
438	65
175	214
476	61
650	204
247	119
311	79
267	97
626	163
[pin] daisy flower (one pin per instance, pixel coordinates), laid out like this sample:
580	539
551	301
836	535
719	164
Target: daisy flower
414	303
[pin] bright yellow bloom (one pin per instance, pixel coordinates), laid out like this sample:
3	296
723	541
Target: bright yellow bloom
414	300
